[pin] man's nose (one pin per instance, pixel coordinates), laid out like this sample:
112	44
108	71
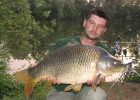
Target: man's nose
94	27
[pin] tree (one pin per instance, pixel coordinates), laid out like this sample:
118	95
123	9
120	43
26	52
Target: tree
20	32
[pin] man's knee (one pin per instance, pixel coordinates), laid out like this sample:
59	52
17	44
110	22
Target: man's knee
53	94
87	93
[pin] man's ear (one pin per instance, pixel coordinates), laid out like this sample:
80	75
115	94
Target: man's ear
84	23
104	30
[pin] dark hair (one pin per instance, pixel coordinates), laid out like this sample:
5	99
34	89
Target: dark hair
98	12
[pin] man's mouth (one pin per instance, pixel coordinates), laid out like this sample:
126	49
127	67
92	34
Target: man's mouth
91	38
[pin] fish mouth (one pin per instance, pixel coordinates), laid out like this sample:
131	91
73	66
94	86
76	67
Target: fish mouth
111	71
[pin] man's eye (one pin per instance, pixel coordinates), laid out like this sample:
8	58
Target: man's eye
91	22
101	26
115	62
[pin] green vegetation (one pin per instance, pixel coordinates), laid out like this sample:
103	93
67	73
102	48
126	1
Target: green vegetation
23	32
133	77
20	32
13	90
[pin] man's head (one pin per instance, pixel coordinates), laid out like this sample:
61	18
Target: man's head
95	24
97	12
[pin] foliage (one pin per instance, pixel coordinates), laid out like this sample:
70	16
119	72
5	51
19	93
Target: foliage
22	32
74	9
133	77
70	12
20	35
13	90
9	87
19	30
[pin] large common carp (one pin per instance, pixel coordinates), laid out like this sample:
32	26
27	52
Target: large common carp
72	65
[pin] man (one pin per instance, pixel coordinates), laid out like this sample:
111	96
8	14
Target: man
94	27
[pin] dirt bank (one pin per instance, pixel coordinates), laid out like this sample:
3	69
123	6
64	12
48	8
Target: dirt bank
126	91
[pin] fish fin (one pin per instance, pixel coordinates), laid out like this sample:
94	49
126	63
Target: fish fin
94	84
27	80
75	87
21	75
29	85
48	84
69	87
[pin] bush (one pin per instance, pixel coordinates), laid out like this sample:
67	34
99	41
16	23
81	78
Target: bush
133	77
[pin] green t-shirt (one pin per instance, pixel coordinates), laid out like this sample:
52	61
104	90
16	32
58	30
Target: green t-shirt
63	42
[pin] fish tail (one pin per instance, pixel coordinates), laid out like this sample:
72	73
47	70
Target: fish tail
27	80
21	75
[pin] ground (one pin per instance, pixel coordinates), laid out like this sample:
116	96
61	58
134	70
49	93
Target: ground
126	91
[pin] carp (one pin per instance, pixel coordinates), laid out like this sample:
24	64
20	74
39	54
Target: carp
72	65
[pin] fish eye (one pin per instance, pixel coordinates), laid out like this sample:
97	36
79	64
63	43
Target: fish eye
115	62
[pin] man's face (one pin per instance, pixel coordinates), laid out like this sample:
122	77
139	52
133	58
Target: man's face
94	27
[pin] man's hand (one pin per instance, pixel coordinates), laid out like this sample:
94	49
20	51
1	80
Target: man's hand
100	81
53	79
89	82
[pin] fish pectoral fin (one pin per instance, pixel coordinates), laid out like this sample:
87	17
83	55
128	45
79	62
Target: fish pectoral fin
48	84
75	87
69	87
94	84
